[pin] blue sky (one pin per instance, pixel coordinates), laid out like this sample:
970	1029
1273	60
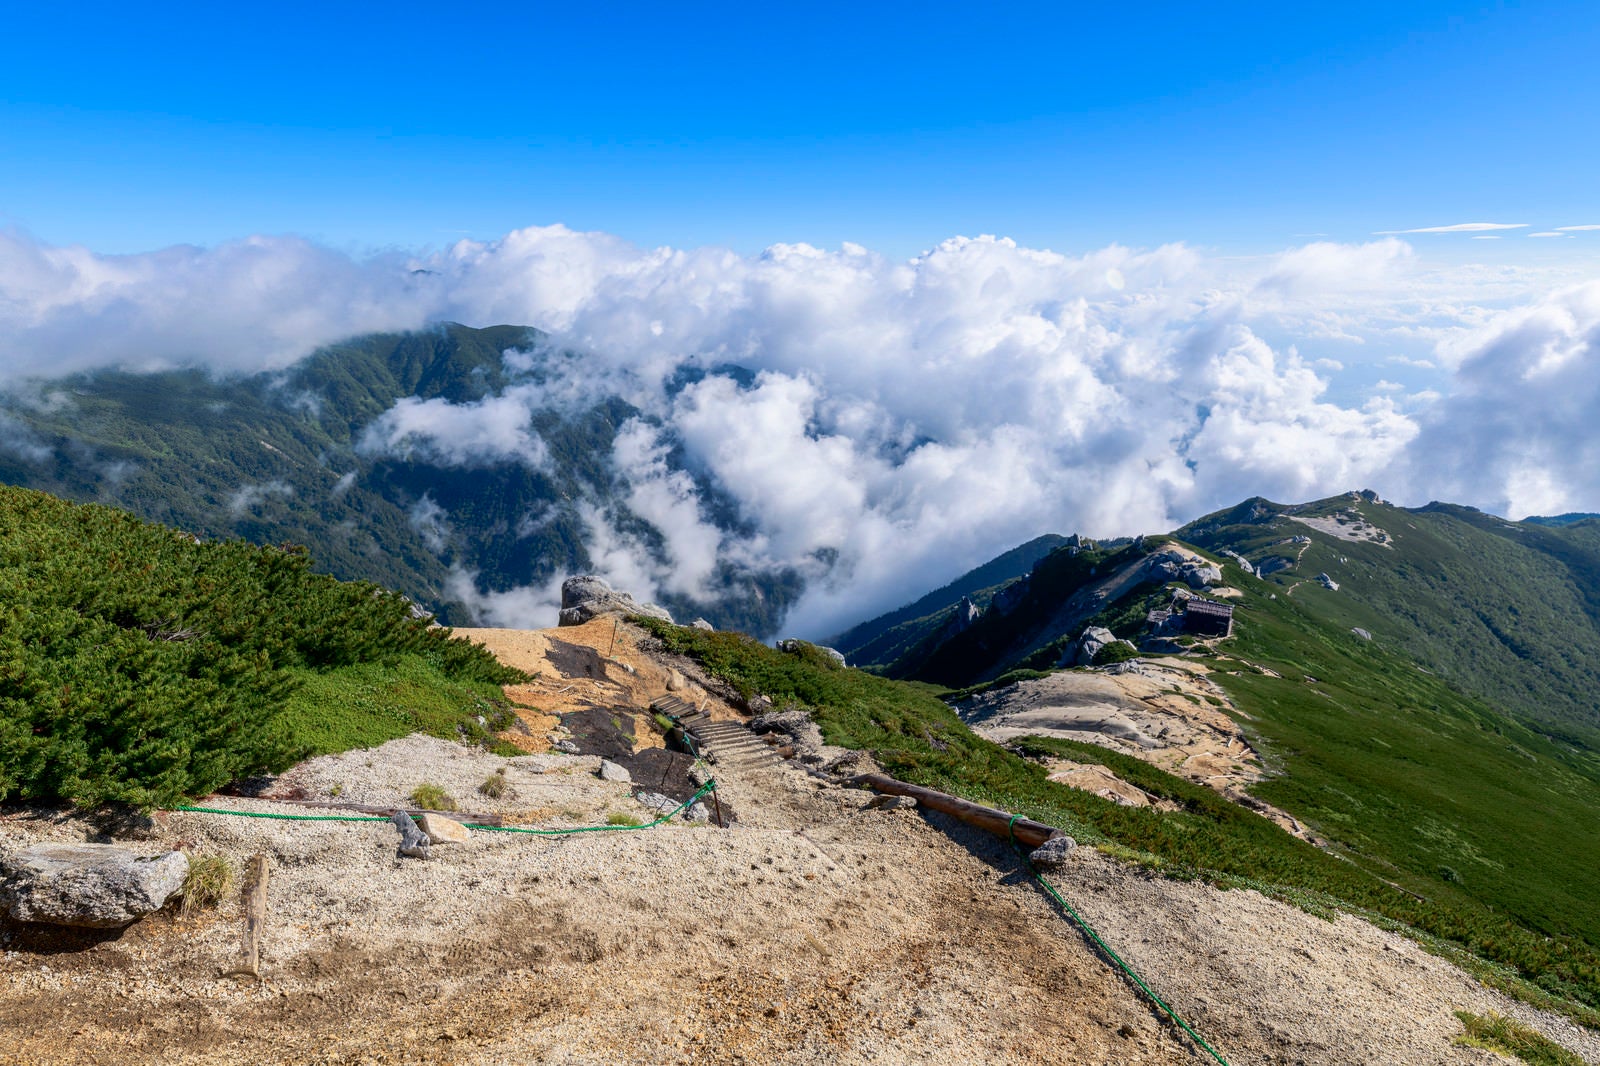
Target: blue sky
1214	277
1067	126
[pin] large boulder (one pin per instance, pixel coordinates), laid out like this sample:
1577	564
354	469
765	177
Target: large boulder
1090	642
94	886
587	597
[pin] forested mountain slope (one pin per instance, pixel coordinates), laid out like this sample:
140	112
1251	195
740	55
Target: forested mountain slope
452	464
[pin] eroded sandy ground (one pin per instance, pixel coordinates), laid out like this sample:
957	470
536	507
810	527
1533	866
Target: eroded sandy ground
1163	710
815	930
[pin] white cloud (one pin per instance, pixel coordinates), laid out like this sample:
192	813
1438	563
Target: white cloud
431	522
909	418
247	498
1576	228
1516	433
1549	233
494	429
247	305
1459	227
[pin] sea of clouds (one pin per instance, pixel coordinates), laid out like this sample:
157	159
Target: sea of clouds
907	419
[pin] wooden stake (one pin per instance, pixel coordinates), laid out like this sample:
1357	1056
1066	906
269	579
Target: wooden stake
1029	833
255	916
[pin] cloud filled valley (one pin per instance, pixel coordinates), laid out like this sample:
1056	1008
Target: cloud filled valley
878	426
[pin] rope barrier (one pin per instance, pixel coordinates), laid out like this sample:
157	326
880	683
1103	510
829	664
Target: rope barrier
1089	929
709	786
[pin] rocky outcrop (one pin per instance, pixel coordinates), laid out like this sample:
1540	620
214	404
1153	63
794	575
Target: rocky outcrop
94	886
1091	643
1327	582
794	646
587	597
1174	566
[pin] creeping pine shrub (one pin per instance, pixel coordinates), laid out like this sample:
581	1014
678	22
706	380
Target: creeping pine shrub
432	798
140	666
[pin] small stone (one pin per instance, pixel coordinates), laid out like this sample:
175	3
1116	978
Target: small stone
891	803
566	747
675	681
657	802
442	830
1053	852
413	841
610	771
1362	633
697	813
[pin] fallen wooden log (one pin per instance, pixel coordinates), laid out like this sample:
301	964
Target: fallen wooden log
1028	832
475	817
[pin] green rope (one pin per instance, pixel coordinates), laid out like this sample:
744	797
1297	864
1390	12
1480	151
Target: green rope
284	817
707	787
1089	929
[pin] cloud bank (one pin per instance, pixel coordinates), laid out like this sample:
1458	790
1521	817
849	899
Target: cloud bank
901	420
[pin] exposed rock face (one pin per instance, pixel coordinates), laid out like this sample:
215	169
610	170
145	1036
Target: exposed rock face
1362	633
1327	582
961	618
588	597
95	886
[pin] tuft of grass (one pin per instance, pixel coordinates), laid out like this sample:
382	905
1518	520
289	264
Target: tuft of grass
1507	1036
208	882
495	786
620	818
432	798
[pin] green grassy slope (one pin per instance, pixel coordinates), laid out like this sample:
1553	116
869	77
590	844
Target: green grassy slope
1506	611
917	737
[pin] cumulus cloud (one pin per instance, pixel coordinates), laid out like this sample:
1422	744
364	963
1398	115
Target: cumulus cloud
1516	434
897	421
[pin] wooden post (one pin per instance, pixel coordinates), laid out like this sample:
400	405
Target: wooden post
1029	834
255	916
